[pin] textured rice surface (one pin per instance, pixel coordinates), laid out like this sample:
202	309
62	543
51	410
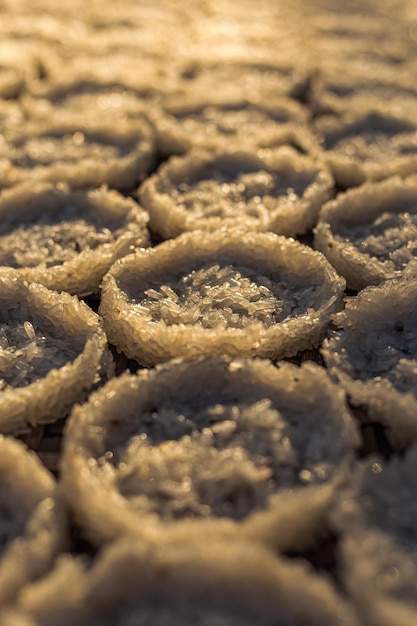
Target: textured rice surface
207	439
236	293
334	91
26	354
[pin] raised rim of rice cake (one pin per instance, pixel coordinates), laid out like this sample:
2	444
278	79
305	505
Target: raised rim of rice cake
53	350
33	528
373	354
67	240
83	148
231	583
231	186
376	516
371	143
209	447
369	234
227	292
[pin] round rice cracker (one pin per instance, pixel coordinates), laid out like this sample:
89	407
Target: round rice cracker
227	186
209	447
265	79
375	515
369	234
185	123
233	583
84	149
373	351
339	93
371	143
33	528
53	352
67	240
227	292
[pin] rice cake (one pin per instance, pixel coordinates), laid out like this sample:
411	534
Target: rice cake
373	355
187	122
209	447
236	293
370	143
234	584
235	186
377	518
84	148
369	234
53	350
32	524
67	240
